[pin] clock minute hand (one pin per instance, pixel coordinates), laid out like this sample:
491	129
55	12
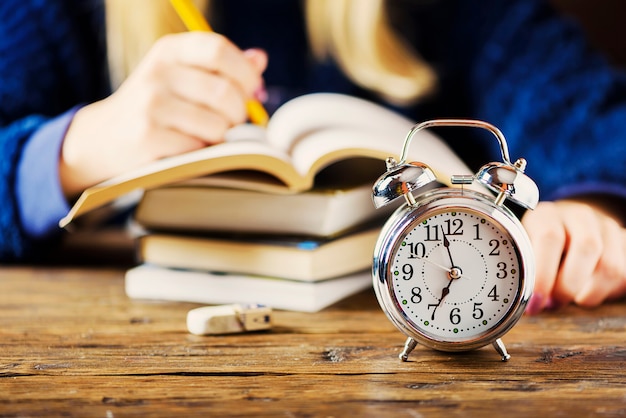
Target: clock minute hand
446	243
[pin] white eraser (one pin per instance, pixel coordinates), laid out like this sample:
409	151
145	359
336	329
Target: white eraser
228	319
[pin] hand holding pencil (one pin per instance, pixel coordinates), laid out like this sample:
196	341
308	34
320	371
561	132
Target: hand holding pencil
184	94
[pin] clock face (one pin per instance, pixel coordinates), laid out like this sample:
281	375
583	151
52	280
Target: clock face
455	274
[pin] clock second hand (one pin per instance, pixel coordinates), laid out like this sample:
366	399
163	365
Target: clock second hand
429	261
449	270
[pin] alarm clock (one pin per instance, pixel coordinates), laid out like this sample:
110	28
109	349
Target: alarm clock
453	267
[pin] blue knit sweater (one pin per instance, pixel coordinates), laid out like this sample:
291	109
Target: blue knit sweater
513	63
50	60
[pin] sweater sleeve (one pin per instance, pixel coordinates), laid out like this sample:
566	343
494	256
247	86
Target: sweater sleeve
41	202
560	104
14	243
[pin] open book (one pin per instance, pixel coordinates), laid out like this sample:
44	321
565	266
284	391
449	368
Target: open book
314	138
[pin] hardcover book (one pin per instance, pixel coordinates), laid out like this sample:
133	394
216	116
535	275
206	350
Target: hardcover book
149	282
284	257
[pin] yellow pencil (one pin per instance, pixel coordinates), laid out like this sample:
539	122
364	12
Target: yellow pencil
195	21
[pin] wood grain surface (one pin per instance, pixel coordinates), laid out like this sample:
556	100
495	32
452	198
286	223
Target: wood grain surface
72	344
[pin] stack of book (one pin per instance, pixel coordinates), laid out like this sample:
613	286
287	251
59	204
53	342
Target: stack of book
298	252
280	216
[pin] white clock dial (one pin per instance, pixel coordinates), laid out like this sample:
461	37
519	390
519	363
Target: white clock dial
455	274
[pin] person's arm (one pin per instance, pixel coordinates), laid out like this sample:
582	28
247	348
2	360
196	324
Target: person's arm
189	89
563	108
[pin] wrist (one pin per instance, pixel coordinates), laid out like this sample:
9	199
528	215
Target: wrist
77	169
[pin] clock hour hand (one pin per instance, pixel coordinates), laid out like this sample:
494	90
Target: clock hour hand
444	292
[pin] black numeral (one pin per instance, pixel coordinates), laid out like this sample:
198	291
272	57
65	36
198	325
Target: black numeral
432	233
455	316
416	295
417	250
477	313
501	274
407	269
493	294
477	228
496	245
455	227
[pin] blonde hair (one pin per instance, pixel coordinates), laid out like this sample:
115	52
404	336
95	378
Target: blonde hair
356	34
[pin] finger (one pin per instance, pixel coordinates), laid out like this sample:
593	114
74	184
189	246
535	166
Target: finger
610	270
547	236
582	253
198	122
210	91
259	59
169	142
215	53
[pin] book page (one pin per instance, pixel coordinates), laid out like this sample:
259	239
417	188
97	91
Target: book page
234	155
242	180
341	143
319	129
306	114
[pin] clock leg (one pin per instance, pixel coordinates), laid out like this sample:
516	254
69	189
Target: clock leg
501	349
409	346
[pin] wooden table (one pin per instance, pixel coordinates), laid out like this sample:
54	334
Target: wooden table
72	344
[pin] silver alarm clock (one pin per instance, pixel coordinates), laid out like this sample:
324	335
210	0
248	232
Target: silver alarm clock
453	267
